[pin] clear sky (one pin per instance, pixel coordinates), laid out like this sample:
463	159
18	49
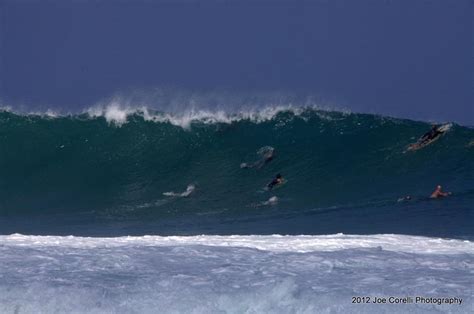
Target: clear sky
408	58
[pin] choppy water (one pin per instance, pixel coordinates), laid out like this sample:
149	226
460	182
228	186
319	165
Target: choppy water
233	274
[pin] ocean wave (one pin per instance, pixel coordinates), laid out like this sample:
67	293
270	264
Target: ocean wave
118	115
79	170
183	108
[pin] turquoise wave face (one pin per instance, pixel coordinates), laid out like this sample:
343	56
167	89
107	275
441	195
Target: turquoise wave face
342	173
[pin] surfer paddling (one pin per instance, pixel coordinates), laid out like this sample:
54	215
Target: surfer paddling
430	136
404	199
278	180
267	153
438	193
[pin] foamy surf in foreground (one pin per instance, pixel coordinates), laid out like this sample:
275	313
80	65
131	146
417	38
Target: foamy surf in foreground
273	243
234	274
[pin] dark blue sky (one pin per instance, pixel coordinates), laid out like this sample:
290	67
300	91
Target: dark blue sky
409	58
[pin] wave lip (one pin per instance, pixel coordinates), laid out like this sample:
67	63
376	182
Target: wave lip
273	243
117	114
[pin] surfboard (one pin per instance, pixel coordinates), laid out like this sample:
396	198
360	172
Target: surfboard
445	127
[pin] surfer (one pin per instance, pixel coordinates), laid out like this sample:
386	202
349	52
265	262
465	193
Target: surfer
268	156
431	134
275	182
439	193
404	199
267	153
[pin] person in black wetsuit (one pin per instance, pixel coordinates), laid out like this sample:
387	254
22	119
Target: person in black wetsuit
431	134
277	181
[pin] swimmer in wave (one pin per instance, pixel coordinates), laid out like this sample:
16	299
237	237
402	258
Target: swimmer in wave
277	181
267	154
438	193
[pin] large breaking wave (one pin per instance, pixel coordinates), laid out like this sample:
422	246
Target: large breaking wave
113	171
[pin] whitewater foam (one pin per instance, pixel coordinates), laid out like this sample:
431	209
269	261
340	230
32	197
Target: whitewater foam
274	243
231	274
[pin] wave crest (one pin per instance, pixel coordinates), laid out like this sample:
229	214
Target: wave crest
118	115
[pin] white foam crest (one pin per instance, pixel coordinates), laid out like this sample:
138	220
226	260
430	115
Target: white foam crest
6	108
48	113
113	113
186	118
185	112
274	243
117	113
